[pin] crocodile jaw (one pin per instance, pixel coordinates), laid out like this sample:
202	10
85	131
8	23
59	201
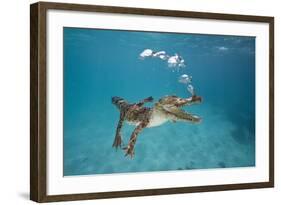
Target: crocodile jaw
175	113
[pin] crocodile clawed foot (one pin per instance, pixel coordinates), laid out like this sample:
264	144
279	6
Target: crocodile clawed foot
129	151
117	142
196	98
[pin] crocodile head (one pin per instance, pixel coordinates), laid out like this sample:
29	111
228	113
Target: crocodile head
170	107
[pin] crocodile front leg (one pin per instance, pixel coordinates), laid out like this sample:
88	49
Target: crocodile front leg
129	150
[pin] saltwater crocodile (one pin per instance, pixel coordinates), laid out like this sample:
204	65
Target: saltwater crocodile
166	109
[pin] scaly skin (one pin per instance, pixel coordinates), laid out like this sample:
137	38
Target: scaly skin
166	109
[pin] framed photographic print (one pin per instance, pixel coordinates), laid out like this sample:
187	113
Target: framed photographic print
134	102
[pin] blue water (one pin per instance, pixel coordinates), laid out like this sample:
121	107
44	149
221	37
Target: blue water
99	64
